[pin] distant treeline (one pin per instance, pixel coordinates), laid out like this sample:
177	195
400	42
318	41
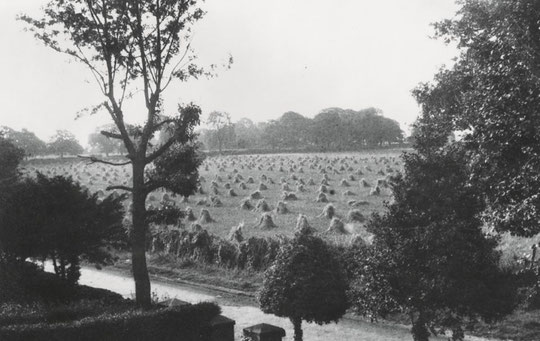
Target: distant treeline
61	143
332	129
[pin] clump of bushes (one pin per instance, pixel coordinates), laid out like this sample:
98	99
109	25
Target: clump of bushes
189	321
26	283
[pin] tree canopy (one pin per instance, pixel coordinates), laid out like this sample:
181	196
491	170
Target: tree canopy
331	129
10	157
26	140
430	257
305	282
100	143
492	95
64	142
221	129
56	219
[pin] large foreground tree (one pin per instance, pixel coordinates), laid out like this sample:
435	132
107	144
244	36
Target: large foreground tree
430	257
492	94
133	47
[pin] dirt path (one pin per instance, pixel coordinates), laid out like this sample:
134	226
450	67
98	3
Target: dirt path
246	314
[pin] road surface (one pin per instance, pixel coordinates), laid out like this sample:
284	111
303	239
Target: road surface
246	314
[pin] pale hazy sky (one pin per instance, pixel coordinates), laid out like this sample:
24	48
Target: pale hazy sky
299	55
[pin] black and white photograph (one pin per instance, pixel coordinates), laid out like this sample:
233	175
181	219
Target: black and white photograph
287	170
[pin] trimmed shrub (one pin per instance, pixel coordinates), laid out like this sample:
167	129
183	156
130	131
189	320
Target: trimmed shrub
187	322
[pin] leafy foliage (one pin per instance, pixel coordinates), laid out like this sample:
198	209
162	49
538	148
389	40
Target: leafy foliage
10	157
103	144
177	168
222	129
306	283
124	42
54	218
430	257
64	142
26	140
492	94
333	129
119	323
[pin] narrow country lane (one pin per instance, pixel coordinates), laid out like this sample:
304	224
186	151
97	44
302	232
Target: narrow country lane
246	315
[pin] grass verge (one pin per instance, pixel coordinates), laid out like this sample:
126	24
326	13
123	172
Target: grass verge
171	268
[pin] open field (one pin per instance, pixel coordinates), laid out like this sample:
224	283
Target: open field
276	172
281	173
348	180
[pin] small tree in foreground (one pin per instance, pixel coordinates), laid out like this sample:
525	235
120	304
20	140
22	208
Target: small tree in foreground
56	219
305	283
430	258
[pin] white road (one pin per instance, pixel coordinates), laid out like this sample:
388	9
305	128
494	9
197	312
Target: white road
247	315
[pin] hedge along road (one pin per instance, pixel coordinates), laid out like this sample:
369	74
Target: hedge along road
246	315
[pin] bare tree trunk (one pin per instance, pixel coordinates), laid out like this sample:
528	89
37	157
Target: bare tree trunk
55	265
138	238
62	268
419	329
298	333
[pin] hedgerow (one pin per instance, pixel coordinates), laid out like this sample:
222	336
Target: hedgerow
253	253
184	323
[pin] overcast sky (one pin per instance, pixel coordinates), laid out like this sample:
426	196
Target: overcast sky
289	55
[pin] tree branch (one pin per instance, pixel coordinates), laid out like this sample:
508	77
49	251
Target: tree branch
111	135
119	121
125	188
93	159
153	185
173	70
154	155
158	125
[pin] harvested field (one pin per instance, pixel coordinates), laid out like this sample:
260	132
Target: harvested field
295	180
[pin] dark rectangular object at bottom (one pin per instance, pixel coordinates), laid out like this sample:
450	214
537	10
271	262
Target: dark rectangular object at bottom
264	332
222	328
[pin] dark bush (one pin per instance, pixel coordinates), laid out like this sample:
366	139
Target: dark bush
24	283
187	323
56	218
